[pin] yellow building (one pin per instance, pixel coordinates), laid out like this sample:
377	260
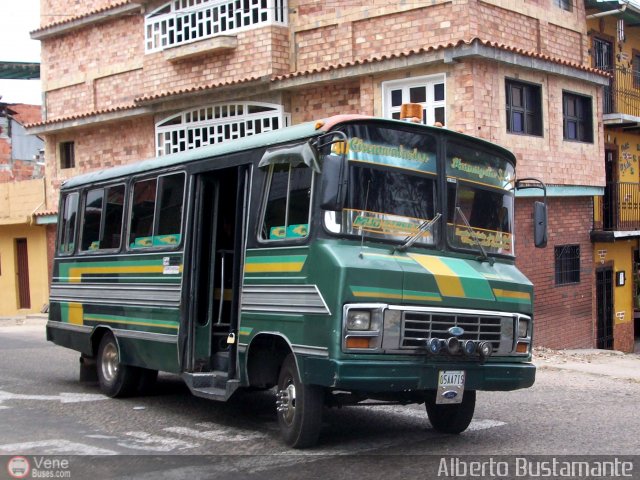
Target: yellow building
24	273
615	47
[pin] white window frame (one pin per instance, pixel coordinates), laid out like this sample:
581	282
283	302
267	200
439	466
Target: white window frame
407	83
180	22
216	123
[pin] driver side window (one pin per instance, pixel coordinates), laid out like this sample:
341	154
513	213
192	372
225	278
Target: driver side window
287	209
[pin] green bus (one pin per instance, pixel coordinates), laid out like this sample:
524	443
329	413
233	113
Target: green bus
345	260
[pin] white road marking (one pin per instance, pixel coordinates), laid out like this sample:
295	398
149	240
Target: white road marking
62	397
102	437
217	435
54	447
484	425
155	443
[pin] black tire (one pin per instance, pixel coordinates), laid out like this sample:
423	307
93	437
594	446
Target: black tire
116	379
299	407
451	418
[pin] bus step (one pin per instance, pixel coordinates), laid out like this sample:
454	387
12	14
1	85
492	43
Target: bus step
217	393
215	379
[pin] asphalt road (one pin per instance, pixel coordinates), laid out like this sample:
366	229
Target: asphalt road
45	411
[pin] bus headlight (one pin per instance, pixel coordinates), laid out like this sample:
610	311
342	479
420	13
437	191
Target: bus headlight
359	320
523	328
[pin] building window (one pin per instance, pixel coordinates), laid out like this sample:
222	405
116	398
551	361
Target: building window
577	115
564	4
217	123
67	155
524	108
567	264
185	21
427	91
636	68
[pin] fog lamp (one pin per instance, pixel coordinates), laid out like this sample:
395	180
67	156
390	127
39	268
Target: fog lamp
434	345
453	345
485	349
469	347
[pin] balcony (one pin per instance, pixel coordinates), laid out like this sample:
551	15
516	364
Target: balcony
621	105
617	213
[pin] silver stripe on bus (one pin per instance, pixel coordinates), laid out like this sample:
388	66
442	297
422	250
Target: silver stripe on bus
135	334
283	298
311	350
69	326
140	335
122	294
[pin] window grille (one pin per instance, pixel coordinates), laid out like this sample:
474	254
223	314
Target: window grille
217	123
567	264
184	21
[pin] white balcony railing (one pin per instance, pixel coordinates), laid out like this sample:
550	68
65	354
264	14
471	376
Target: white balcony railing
185	21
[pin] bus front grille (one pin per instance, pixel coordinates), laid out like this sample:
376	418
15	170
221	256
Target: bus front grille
418	326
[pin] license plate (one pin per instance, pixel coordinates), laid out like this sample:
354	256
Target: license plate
450	386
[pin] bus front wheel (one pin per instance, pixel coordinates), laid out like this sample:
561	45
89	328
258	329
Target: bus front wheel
116	379
451	418
299	407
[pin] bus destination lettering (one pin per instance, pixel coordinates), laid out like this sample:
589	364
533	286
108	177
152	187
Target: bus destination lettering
358	145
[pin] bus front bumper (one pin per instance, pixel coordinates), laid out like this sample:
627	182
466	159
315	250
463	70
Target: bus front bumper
397	376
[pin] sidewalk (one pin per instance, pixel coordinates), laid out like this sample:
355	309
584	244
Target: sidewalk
597	362
31	319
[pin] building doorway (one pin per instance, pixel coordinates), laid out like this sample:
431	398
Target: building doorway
22	274
604	298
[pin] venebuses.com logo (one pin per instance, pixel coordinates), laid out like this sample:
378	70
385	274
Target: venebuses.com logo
18	467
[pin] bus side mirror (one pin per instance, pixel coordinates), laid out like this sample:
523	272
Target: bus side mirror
333	183
540	224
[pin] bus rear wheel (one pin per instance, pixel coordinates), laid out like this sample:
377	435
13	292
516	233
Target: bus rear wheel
116	379
299	407
451	418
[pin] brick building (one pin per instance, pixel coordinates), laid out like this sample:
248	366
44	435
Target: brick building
127	80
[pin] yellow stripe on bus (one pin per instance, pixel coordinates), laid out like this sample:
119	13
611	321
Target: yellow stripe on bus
76	313
270	267
448	281
498	292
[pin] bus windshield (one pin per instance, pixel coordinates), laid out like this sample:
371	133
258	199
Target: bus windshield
480	200
392	185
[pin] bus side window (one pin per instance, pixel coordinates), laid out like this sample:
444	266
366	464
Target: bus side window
142	210
288	202
170	208
156	213
92	219
66	240
112	217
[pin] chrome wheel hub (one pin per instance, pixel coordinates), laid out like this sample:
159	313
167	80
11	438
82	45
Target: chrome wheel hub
110	362
286	402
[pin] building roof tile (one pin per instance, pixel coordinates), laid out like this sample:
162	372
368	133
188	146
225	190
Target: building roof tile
73	18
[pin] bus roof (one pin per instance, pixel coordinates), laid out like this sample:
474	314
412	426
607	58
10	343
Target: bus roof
274	137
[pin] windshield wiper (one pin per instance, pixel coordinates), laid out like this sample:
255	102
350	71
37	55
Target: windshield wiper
411	239
474	237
